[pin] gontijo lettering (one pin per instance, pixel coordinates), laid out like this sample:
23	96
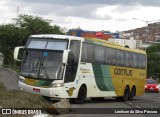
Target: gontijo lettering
123	72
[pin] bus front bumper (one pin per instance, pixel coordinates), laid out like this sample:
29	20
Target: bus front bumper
57	92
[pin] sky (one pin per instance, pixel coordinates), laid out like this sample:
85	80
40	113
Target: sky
93	15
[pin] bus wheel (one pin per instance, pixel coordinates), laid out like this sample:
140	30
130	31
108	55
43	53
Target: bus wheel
81	96
133	93
126	94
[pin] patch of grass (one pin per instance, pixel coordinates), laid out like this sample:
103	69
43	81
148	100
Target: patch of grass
12	67
21	99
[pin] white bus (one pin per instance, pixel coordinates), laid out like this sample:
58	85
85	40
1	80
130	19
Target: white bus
71	67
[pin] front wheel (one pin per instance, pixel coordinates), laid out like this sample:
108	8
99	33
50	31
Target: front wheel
81	96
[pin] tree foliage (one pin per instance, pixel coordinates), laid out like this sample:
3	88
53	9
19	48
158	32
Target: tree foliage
153	60
16	34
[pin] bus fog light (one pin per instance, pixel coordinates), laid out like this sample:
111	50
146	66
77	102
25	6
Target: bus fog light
57	85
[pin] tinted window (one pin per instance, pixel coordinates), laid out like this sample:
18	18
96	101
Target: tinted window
129	59
111	56
57	45
121	56
135	56
143	61
99	54
47	44
37	44
75	49
87	53
150	81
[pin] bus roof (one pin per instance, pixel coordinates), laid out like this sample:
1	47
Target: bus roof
112	45
56	36
89	40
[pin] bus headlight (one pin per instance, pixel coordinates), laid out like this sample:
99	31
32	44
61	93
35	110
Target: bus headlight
57	85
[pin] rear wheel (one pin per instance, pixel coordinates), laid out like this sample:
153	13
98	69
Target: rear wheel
126	95
81	96
132	93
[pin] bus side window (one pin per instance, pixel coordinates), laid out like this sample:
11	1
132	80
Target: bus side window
111	56
107	56
99	54
143	61
135	61
73	59
129	59
138	61
120	58
87	53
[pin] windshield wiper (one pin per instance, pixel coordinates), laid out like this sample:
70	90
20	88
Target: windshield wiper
43	68
38	62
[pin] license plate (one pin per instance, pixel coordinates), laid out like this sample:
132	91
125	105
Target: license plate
30	81
36	90
152	89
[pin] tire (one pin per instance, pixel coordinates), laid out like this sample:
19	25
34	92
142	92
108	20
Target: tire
126	94
132	93
125	97
81	96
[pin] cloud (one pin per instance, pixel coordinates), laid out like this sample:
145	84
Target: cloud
80	8
97	14
104	2
87	11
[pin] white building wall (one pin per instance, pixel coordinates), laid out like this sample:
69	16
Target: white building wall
130	42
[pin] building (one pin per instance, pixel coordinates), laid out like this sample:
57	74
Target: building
131	43
104	35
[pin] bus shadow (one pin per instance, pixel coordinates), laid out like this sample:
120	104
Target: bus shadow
105	100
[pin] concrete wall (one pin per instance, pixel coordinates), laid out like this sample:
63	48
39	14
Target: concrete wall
9	78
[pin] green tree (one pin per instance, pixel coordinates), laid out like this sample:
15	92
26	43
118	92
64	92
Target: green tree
153	60
16	34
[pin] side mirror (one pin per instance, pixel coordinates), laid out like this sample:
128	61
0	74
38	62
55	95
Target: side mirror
16	52
65	56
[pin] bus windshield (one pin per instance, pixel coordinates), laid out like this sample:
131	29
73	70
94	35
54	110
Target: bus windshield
43	60
44	65
46	44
